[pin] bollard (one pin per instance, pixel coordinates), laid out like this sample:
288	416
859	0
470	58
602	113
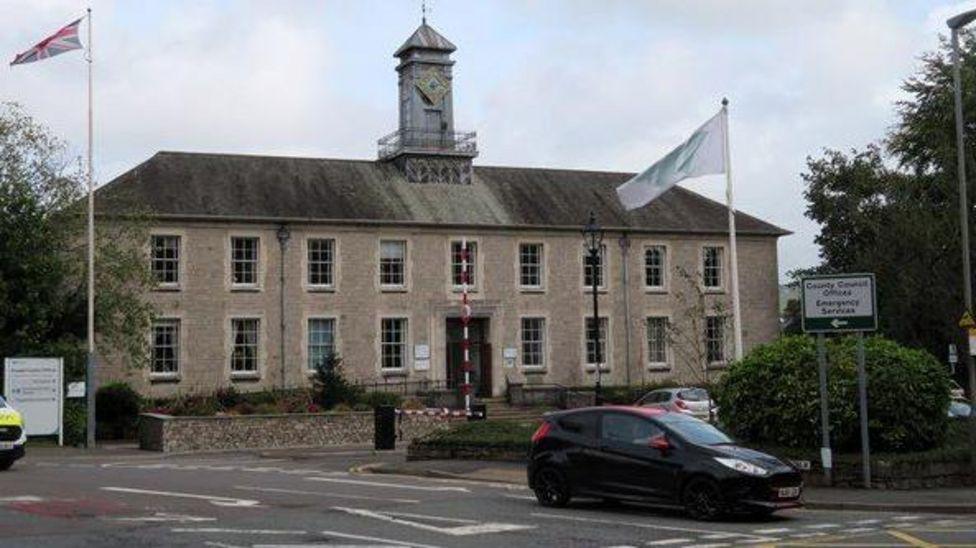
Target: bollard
384	428
479	412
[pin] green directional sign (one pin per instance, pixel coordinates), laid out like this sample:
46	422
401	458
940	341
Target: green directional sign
838	303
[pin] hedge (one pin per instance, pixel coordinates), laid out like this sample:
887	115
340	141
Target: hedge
772	396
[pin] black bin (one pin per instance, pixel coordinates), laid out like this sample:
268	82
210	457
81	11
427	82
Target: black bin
479	412
384	428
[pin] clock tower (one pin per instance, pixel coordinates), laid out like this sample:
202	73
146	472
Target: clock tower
426	147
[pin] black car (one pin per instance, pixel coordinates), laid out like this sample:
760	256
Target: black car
652	455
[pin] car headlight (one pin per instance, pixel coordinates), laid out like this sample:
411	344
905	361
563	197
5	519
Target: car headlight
740	465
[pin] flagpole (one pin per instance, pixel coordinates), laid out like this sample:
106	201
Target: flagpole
733	255
90	366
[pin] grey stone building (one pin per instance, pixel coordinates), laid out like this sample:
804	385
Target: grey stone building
266	264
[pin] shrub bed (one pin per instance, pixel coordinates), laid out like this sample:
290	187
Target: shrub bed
480	440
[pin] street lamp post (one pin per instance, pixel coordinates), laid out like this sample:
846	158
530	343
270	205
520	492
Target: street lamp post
593	240
955	25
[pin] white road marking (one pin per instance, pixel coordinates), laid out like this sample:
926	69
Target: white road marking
520	497
860	530
640	525
822	526
323	494
667	541
808	535
906	518
376	539
23	498
163	517
758	540
713	545
221	545
215	500
772	531
226	530
720	536
866	522
392	485
466	527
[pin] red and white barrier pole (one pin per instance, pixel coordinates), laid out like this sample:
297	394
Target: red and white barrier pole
465	320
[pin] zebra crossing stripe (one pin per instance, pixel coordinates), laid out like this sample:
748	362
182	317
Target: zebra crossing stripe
668	541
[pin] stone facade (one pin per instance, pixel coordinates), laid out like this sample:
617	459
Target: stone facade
188	434
204	302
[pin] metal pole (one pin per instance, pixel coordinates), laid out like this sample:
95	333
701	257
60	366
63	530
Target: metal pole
862	389
594	255
283	236
625	248
967	286
826	459
733	250
90	366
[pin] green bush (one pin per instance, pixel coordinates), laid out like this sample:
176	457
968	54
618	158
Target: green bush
772	396
75	422
330	386
490	434
376	399
117	409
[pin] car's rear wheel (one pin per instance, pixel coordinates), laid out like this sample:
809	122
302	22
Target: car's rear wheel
703	500
551	487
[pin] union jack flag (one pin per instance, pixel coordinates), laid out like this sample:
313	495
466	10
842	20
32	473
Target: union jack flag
64	40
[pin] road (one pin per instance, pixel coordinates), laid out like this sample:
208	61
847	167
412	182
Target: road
310	498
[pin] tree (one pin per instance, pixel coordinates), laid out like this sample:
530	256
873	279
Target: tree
892	208
42	255
687	334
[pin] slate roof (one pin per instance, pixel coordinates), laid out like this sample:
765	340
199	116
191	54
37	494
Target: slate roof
425	37
240	187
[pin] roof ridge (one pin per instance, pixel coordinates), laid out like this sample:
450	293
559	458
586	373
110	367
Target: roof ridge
253	155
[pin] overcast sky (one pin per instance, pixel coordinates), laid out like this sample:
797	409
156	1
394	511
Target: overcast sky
595	84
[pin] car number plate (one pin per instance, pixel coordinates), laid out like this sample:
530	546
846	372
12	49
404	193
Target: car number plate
6	445
789	492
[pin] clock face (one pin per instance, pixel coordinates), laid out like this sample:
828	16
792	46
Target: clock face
433	86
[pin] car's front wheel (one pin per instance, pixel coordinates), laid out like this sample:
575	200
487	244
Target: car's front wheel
551	487
703	500
5	464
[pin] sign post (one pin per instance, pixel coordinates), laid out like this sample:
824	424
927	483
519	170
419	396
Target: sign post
841	303
34	387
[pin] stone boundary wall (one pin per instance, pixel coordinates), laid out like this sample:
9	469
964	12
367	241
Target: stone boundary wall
525	395
188	434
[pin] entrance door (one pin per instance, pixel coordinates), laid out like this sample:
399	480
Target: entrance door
480	354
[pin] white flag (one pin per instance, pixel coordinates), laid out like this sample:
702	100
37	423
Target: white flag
702	154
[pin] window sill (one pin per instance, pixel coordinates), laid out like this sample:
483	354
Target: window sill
590	368
393	289
245	376
458	290
531	370
713	290
245	289
656	290
320	288
528	289
401	372
589	290
658	367
160	378
168	288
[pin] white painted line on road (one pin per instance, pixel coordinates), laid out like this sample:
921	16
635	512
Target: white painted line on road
391	485
164	517
323	494
906	518
22	498
714	545
776	530
221	545
215	500
641	525
520	497
668	541
469	527
227	530
721	536
860	530
866	521
376	539
808	535
761	540
822	526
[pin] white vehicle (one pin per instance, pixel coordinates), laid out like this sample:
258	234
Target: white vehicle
688	400
12	435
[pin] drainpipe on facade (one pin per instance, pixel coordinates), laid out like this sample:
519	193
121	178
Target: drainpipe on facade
624	249
283	236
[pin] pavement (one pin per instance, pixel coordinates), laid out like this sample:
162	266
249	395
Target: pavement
119	496
960	500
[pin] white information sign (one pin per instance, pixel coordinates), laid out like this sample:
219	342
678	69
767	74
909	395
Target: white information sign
76	390
33	386
842	302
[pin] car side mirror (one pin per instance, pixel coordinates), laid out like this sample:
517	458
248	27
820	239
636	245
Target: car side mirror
660	442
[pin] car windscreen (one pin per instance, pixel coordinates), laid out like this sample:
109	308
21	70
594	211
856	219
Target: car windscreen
693	394
694	430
